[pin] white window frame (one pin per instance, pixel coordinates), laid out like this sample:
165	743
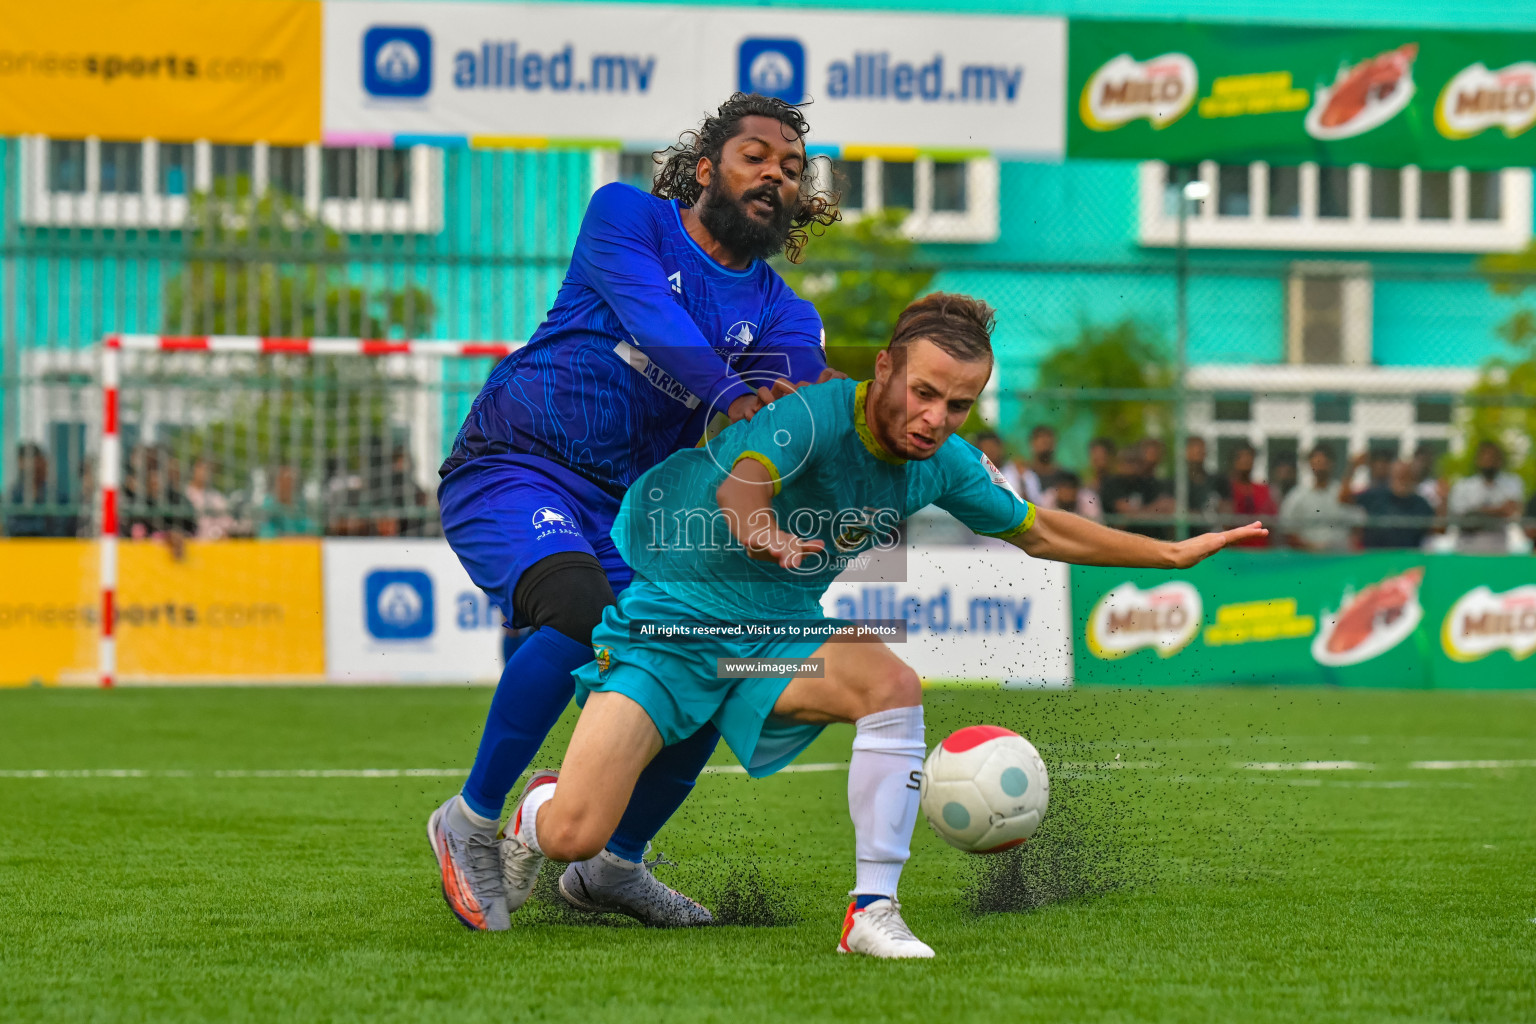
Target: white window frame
1206	229
1357	300
421	213
979	222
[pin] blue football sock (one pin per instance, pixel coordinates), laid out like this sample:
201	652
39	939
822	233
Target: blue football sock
660	791
535	687
861	901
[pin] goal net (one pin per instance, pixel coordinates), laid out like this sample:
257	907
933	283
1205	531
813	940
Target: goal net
221	463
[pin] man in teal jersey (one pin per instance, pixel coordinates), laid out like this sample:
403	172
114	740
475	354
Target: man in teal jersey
734	544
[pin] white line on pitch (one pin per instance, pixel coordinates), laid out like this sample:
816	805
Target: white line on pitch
1309	766
1447	765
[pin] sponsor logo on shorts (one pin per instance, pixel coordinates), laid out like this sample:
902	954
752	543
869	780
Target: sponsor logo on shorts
604	658
547	521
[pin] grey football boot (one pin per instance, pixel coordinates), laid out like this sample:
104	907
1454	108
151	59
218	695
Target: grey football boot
608	884
470	865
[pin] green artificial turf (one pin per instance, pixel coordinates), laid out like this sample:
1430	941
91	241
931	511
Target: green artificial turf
1169	882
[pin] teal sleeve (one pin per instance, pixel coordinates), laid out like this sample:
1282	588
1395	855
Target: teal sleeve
782	437
977	494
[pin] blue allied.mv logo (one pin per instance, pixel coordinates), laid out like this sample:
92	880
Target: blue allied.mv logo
398	604
772	67
397	61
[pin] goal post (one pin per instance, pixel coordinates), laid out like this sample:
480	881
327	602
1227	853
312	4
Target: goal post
232	437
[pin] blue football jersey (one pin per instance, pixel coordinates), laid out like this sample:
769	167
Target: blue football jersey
648	338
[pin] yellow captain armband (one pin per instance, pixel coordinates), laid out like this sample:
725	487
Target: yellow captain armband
1013	531
773	471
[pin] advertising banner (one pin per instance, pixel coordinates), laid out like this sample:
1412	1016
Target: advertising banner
228	71
1183	92
978	613
1374	619
532	74
224	610
405	611
48	611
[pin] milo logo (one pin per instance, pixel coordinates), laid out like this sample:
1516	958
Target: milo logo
1477	99
1161	89
1481	622
1165	618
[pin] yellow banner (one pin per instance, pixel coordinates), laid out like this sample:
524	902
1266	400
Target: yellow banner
222	611
228	71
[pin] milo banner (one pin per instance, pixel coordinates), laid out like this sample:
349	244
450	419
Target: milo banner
1379	619
1385	96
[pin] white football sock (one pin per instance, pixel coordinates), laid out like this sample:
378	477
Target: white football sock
883	778
528	828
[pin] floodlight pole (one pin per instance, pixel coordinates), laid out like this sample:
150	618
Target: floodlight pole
1189	192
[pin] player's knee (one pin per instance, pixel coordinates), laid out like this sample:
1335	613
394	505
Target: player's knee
900	687
571	837
567	592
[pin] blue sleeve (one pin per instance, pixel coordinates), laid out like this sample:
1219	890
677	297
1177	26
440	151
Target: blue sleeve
977	494
791	345
616	256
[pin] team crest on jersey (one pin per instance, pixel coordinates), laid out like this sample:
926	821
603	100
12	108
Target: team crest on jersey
850	536
604	658
993	472
742	333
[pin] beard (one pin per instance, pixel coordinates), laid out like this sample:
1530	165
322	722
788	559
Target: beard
726	217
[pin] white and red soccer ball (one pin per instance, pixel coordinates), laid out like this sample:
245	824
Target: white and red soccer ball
985	789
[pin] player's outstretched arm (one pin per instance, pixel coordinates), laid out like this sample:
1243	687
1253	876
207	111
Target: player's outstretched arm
1064	537
746	498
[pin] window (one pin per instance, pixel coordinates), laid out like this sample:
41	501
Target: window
1432	409
122	167
1285	192
148	184
950	200
1232	196
1233	408
1328	314
1359	208
1386	193
1387	447
1332	407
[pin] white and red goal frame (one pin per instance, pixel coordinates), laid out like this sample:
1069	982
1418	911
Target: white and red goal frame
109	451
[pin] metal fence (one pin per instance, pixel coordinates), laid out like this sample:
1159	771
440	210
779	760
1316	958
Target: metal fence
1388	368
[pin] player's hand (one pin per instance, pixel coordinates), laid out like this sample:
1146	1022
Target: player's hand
781	387
774	545
831	373
1197	549
745	407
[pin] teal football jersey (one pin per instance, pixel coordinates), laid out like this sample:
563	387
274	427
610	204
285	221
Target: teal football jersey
832	483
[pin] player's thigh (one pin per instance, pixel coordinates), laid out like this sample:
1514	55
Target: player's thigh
859	679
613	742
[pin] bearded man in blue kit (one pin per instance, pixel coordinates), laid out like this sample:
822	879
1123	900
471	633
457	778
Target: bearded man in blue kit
669	322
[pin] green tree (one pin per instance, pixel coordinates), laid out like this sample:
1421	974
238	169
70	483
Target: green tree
860	276
1502	403
1122	357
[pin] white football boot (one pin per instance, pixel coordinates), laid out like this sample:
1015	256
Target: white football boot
520	863
878	930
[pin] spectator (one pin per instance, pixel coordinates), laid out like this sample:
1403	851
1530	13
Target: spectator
1242	497
1380	472
991	446
1134	491
1101	456
1484	504
1282	479
282	511
31	490
1432	488
406	495
1202	495
1318	518
1042	469
214	521
1397	500
152	505
1069	495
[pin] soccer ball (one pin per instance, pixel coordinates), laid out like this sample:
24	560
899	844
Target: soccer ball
985	789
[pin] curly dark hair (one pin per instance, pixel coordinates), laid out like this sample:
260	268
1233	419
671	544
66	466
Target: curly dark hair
678	176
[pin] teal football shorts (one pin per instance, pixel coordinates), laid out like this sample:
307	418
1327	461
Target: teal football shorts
674	680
